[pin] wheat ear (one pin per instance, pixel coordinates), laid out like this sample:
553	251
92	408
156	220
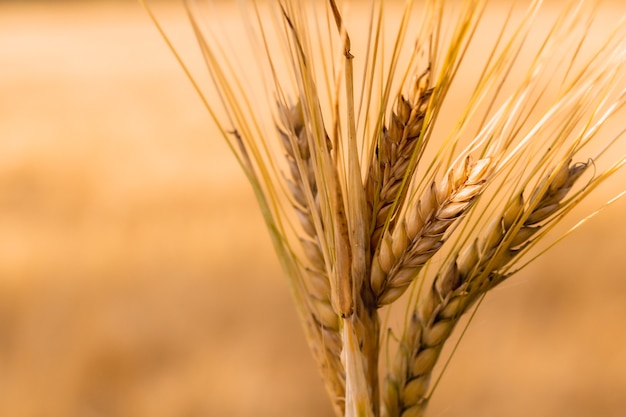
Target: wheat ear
303	189
395	158
417	237
466	278
326	322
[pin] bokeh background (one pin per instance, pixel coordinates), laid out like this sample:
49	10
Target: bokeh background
136	277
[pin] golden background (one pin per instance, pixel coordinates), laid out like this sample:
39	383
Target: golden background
136	277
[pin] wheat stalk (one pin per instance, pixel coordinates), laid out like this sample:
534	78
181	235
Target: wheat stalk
365	198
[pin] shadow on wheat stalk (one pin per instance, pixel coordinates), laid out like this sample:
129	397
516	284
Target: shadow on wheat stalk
375	197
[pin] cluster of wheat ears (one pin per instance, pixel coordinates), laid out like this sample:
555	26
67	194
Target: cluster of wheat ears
369	196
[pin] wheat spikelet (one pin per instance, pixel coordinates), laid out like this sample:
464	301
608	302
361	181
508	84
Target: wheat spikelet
466	278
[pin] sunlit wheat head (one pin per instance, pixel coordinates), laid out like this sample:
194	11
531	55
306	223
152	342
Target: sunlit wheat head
382	188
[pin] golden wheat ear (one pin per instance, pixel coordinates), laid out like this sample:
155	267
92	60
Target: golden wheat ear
372	199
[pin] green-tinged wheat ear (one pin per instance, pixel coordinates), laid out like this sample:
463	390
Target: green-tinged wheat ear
467	277
405	250
302	186
394	152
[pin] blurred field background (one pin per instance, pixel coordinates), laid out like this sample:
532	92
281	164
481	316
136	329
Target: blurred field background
136	277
